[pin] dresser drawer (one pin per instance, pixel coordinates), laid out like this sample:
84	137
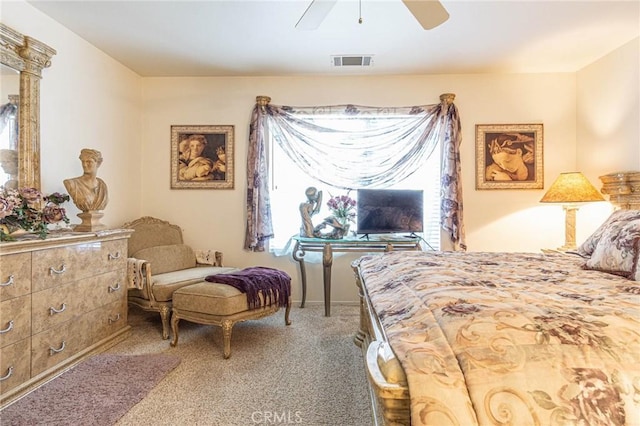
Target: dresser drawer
15	320
62	265
109	319
110	287
15	367
59	304
15	275
59	343
114	255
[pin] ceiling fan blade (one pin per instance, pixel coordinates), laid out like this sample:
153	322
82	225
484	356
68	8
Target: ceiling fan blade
315	14
429	13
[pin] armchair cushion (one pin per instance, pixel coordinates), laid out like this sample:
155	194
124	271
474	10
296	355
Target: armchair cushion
168	258
212	299
163	285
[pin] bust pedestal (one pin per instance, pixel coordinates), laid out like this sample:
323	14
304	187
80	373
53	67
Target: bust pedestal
90	221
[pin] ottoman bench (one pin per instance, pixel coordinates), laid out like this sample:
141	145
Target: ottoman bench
212	303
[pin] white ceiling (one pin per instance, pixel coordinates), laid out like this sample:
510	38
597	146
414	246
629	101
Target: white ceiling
251	38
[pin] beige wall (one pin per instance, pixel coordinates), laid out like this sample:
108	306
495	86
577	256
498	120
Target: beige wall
89	100
608	121
608	109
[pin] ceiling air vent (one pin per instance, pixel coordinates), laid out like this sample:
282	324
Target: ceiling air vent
352	60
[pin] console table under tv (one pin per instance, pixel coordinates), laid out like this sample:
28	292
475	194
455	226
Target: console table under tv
373	243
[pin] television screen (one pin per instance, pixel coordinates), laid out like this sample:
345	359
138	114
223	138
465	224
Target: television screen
383	211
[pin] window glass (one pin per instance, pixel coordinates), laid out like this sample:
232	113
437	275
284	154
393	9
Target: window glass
289	182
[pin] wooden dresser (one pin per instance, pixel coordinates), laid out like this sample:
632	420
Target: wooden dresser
61	300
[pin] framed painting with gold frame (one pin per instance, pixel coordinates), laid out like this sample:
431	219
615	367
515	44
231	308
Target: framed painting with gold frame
202	157
509	156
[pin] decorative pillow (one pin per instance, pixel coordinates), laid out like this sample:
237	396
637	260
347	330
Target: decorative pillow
586	248
168	258
617	250
206	257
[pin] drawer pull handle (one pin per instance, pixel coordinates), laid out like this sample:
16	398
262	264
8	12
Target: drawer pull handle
116	288
62	270
53	351
117	318
9	373
53	311
8	329
8	283
114	256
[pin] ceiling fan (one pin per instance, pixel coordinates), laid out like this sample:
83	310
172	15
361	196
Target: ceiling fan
429	13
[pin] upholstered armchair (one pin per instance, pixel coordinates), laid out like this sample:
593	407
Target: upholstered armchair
159	263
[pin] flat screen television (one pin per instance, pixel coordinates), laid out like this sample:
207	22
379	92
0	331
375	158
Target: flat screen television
384	211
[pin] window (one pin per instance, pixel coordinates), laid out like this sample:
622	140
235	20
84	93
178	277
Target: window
289	181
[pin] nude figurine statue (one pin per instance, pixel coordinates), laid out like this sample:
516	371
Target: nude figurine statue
308	209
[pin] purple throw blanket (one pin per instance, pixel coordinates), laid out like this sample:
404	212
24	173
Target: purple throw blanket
275	285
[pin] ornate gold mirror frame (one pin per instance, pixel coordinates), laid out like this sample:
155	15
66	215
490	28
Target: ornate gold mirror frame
29	57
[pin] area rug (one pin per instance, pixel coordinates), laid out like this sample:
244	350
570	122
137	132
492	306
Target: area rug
97	391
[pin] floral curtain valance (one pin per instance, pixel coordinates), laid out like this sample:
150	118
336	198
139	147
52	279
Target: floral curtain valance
352	151
339	154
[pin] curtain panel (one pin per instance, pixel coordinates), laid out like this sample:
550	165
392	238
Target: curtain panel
259	227
392	146
451	218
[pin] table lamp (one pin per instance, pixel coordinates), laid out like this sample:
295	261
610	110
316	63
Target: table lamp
571	188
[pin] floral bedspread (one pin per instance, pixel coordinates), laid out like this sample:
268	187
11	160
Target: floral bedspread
510	338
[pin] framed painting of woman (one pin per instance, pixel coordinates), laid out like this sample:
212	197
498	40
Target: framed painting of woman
202	157
509	156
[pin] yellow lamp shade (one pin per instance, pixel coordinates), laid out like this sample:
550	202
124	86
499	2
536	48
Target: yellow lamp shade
571	187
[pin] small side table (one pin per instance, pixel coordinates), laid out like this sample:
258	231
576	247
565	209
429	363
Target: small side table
327	247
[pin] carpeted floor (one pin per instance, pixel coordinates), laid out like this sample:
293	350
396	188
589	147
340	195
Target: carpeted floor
309	373
96	392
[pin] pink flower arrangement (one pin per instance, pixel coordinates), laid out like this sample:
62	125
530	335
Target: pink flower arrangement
343	208
30	210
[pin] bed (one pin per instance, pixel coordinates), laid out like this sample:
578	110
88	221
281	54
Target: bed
468	338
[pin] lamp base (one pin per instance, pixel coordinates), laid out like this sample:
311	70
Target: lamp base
569	228
566	248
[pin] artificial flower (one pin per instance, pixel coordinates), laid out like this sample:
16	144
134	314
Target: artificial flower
30	210
342	207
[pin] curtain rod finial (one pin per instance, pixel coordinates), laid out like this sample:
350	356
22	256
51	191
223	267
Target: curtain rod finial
263	100
447	98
